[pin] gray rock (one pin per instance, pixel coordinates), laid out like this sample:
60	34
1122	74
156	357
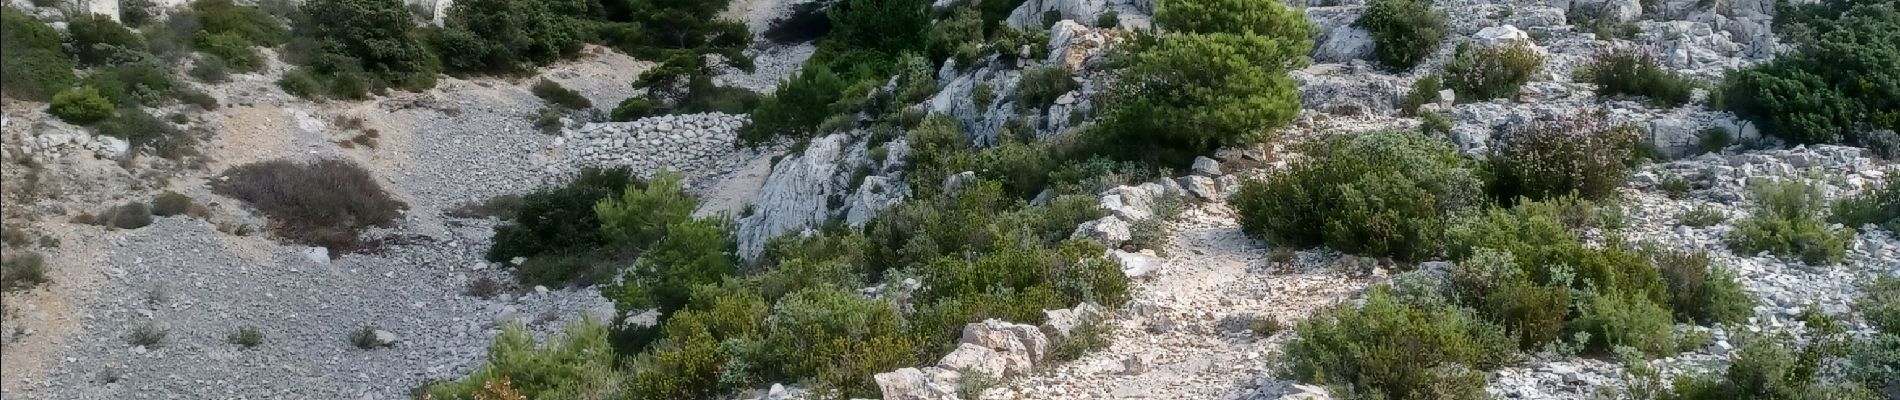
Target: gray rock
1136	265
972	357
1344	43
1109	231
796	194
1059	324
1202	188
1204	166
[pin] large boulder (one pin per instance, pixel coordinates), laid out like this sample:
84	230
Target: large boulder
971	357
930	383
1110	231
1019	346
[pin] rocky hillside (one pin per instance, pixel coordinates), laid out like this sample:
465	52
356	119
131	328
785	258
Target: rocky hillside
901	199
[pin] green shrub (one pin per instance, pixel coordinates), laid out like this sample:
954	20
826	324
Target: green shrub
1039	87
1108	19
1230	89
555	93
148	83
1767	367
1404	32
1386	349
709	348
1484	73
641	216
837	338
1617	319
212	70
246	337
1578	155
252	24
22	271
691	253
98	40
364	44
1267	19
1833	91
233	50
1876	361
322	203
1701	216
1383	194
142	130
509	36
170	203
1880	304
1699	292
916	79
559	220
796	107
136	13
35	66
1788	221
982	95
963	27
81	105
147	335
889	27
579	364
634	108
1876	206
1424	91
1635	72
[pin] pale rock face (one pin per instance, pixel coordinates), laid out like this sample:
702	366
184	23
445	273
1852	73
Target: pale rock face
1344	43
1019	346
1109	231
971	357
795	195
1136	265
1059	324
929	383
876	194
1504	35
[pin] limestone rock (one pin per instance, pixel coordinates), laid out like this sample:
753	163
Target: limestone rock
1059	324
1110	231
795	196
1019	346
1134	264
1344	43
971	357
1204	166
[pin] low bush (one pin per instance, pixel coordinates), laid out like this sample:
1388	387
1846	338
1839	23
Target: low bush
578	364
1767	367
1039	87
1635	72
1387	349
355	46
690	253
559	220
144	131
323	203
1700	292
1270	20
1878	205
170	203
1579	155
147	83
1384	194
364	338
22	271
1404	32
136	13
555	93
81	106
1484	73
147	335
131	215
1624	319
1424	91
210	70
36	66
837	338
232	50
1701	216
1880	304
98	40
1788	220
246	336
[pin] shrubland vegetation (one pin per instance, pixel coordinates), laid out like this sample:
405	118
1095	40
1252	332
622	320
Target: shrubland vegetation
325	203
1580	155
1484	73
1878	205
1387	194
1790	220
1837	86
1634	72
1404	32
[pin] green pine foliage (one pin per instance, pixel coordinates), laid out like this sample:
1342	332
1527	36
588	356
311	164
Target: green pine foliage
641	216
579	364
1236	17
560	219
507	36
353	47
98	40
81	106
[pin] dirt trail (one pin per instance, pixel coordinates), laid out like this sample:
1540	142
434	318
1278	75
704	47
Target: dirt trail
1171	334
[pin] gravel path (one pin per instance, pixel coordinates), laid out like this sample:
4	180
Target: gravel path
1172	327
